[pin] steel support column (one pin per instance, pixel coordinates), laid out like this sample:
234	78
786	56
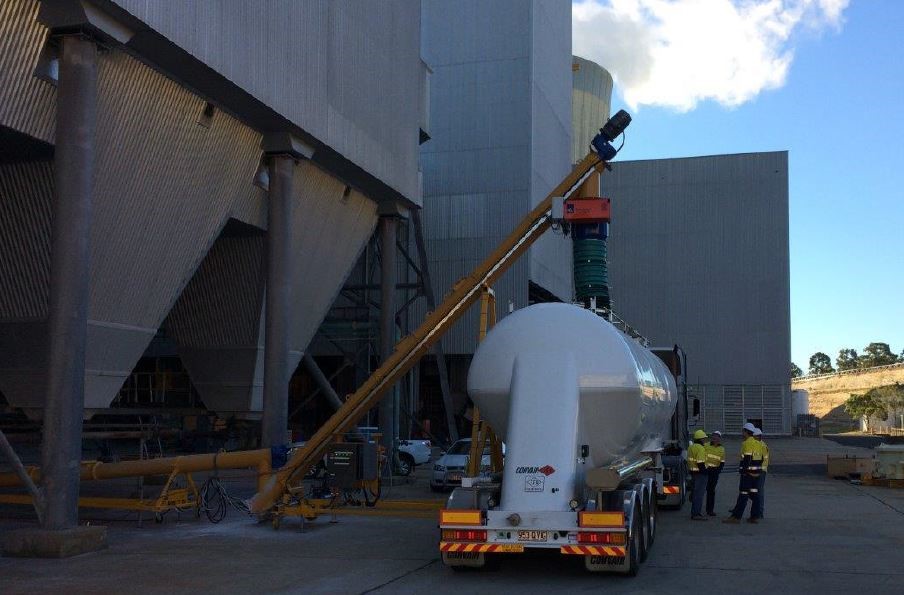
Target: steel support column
275	420
70	273
388	410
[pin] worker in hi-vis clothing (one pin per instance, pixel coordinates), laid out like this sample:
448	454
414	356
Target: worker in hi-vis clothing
715	461
750	468
696	464
761	482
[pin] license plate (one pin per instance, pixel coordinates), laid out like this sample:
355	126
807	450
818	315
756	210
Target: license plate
510	548
533	535
454	477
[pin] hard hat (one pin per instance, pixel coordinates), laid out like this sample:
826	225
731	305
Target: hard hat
749	427
717	433
757	432
699	435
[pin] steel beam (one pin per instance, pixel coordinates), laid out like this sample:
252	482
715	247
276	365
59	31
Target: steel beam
275	420
321	380
70	273
20	471
388	412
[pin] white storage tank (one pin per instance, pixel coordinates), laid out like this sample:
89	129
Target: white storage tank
800	404
553	377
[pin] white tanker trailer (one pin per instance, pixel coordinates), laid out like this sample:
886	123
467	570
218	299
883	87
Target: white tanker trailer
594	426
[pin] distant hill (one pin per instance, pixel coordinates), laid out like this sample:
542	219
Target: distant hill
828	392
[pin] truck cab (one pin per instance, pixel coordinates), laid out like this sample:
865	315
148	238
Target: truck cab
675	475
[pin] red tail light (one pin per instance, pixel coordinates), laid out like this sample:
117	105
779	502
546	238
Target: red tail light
601	538
464	535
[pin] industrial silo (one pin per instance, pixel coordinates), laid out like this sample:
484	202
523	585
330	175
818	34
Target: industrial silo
590	100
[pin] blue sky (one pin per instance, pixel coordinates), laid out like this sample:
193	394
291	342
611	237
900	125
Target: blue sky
839	111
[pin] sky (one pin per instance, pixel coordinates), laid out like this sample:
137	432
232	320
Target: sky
822	79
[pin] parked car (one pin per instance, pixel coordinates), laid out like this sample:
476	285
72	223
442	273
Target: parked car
448	469
413	453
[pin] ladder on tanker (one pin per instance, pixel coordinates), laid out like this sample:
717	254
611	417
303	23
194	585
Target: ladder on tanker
411	348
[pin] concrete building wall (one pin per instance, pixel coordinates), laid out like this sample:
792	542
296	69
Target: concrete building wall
346	72
698	255
492	98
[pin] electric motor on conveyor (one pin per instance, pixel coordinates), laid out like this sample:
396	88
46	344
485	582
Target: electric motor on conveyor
589	215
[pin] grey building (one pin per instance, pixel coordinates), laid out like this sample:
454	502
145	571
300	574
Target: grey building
185	121
206	170
699	256
500	126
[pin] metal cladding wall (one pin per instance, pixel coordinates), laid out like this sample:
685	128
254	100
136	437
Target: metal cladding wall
27	104
218	320
348	73
551	132
591	98
699	256
217	323
494	102
166	183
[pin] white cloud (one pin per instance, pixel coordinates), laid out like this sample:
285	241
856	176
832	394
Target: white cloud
675	53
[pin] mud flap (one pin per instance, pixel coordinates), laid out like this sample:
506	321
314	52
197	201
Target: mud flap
606	563
469	559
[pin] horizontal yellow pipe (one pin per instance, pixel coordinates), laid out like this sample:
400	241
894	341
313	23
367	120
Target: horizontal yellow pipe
91	470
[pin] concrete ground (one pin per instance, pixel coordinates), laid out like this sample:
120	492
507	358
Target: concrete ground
820	536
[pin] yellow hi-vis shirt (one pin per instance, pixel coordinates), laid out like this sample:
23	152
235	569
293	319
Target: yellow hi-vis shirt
696	453
751	446
715	455
764	452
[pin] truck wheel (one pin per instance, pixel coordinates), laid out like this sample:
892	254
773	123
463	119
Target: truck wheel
653	516
406	464
634	546
649	526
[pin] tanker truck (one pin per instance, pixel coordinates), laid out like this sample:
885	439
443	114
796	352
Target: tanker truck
594	424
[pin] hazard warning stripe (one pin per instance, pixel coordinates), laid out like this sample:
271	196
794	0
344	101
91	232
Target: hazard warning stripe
593	550
671	490
480	548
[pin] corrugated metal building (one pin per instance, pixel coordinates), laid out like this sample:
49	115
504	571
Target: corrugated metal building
699	256
500	116
188	95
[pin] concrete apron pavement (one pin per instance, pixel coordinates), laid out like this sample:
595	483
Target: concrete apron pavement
820	536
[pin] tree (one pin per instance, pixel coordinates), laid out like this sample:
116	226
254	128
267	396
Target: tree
820	364
877	354
795	371
847	359
866	406
892	397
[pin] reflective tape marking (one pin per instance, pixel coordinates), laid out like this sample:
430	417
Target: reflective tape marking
592	550
480	548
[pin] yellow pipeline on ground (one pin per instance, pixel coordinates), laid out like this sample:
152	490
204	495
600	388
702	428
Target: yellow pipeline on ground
91	470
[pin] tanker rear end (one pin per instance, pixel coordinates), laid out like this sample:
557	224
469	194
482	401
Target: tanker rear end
585	412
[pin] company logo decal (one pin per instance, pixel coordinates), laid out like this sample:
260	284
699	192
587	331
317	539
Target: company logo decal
546	470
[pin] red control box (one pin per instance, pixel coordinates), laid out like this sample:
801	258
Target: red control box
587	209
